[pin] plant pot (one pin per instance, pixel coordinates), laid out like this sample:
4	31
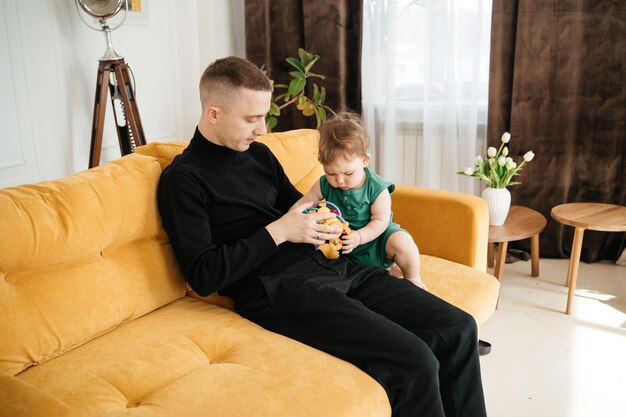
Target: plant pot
498	201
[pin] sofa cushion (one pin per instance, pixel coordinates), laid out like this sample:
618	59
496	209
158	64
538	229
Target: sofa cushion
79	256
296	150
18	398
195	359
472	291
445	224
163	151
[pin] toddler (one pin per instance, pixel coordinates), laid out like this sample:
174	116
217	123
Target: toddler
364	199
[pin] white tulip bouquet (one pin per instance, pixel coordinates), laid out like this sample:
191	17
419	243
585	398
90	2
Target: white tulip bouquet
498	168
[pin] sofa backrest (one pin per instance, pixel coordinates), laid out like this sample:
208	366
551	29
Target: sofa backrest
296	150
78	257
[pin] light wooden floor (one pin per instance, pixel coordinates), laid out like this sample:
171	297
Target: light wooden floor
546	364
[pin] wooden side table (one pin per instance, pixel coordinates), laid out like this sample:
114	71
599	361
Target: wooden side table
521	223
592	216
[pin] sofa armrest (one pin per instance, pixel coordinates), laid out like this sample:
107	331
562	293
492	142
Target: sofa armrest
21	399
448	225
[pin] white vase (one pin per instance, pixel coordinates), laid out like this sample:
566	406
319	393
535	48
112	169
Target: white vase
498	201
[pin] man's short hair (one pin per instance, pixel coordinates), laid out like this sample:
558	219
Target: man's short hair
223	76
342	136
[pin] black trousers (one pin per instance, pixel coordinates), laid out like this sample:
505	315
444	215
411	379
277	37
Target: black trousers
422	350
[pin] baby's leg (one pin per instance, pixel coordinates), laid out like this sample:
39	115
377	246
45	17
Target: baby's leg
403	250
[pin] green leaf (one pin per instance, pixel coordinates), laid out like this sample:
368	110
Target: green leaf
484	167
296	86
311	74
297	74
274	110
322	113
318	117
316	94
323	98
290	91
484	178
297	64
311	63
271	122
510	174
495	178
302	54
307	57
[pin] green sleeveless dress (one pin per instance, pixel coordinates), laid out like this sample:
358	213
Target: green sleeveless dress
355	208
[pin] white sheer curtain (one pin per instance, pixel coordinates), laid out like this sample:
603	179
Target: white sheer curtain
425	74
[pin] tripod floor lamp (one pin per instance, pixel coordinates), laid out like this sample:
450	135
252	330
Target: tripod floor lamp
113	75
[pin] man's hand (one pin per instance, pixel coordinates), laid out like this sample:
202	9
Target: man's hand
298	227
349	242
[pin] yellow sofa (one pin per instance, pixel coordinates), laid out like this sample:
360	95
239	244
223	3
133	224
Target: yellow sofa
96	319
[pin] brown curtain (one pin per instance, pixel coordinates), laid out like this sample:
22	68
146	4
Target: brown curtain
558	84
275	29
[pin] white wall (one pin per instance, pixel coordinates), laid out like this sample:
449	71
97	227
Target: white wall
48	65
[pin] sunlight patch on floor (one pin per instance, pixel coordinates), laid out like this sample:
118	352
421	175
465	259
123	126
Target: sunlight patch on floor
545	363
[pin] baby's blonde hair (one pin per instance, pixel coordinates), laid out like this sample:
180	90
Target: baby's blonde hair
342	136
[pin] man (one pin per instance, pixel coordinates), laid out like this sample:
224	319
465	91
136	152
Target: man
225	206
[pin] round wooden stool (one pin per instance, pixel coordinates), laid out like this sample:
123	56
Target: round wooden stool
592	216
521	223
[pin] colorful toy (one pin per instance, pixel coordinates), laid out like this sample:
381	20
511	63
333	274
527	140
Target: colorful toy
331	248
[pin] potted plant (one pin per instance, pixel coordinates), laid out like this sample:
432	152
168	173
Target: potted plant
497	170
296	92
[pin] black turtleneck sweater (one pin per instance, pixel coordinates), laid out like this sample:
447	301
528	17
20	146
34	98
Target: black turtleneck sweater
215	204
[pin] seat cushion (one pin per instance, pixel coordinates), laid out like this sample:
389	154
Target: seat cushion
191	358
473	291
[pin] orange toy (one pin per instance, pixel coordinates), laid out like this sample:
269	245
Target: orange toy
331	249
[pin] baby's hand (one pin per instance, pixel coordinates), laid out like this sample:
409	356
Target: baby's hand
417	281
349	242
